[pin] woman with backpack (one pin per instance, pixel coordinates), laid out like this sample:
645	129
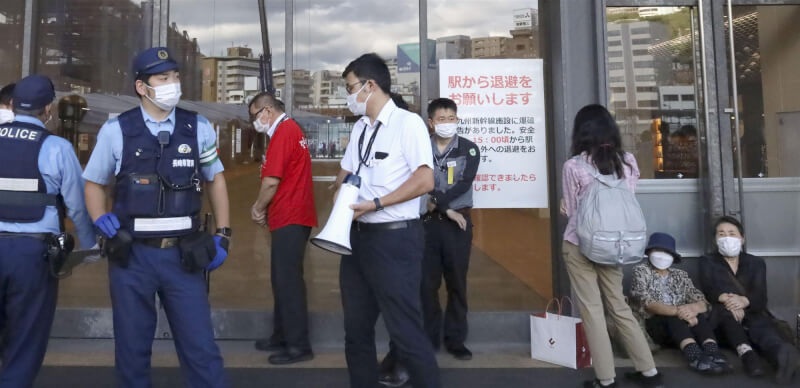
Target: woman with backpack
597	150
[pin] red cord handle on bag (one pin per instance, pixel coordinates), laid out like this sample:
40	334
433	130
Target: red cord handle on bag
558	302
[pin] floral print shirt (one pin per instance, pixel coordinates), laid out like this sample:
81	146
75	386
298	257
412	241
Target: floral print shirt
675	289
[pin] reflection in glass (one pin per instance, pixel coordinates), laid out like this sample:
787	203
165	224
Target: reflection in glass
651	80
11	33
766	46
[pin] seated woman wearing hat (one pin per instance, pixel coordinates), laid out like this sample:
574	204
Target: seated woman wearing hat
672	308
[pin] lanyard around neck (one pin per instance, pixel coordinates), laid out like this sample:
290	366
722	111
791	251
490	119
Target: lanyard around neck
362	159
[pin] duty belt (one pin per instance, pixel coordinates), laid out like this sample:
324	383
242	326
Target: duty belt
435	215
376	226
158	242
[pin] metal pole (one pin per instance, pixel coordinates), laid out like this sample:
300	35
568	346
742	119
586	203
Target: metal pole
423	56
28	40
262	11
164	36
706	117
735	100
698	143
288	87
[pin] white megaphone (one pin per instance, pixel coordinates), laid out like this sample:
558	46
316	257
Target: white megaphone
335	237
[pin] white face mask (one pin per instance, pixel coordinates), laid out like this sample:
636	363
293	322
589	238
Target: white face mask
661	260
446	130
358	108
729	246
260	128
167	96
6	116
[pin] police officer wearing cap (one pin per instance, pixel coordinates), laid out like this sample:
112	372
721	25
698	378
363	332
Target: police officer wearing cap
40	175
163	158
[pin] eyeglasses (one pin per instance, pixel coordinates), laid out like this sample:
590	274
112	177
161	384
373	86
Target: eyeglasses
254	115
350	87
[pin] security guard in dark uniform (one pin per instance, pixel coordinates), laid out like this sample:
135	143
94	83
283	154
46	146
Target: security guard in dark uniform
160	155
448	229
40	180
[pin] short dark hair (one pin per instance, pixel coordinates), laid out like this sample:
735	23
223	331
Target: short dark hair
399	101
30	112
729	220
441	103
5	94
267	99
371	67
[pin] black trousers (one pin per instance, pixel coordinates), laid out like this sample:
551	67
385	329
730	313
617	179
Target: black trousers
447	250
671	331
382	276
755	329
288	286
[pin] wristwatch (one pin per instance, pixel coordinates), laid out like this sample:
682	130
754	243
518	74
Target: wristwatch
378	206
227	232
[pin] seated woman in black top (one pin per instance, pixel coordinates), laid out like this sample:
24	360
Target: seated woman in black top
736	284
673	310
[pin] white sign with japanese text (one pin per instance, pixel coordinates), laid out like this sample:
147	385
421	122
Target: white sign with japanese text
501	109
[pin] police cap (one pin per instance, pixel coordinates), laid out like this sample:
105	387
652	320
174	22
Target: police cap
154	60
33	92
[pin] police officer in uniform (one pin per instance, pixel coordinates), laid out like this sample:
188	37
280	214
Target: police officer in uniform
40	174
160	155
390	151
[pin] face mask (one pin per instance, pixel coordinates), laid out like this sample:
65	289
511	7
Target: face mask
260	128
661	260
6	116
358	108
167	96
729	246
446	130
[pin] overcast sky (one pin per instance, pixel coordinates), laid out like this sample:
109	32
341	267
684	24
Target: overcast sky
330	33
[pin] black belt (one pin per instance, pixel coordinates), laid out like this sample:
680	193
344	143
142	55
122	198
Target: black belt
38	236
158	242
371	227
435	215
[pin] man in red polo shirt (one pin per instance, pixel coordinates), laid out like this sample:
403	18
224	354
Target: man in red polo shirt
285	203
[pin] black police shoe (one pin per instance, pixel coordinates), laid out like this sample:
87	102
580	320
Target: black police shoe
596	384
396	378
752	364
460	352
655	381
269	345
291	355
787	364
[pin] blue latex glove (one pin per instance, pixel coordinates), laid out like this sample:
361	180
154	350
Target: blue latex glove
107	224
222	253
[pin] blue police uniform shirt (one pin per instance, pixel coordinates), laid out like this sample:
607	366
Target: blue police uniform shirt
61	172
107	154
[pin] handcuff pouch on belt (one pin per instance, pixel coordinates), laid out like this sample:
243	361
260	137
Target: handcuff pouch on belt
197	251
59	246
118	248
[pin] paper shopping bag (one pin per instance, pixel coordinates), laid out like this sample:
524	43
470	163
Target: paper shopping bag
559	340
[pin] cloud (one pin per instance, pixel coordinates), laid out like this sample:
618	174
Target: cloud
330	33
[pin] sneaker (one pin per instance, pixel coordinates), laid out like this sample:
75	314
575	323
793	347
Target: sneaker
596	384
705	364
752	364
655	381
720	360
395	378
787	364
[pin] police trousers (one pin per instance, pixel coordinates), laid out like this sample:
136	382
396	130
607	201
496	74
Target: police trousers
382	276
28	294
154	271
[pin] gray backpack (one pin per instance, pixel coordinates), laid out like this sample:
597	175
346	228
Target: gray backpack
611	226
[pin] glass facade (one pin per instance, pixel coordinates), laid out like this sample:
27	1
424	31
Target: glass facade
652	73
